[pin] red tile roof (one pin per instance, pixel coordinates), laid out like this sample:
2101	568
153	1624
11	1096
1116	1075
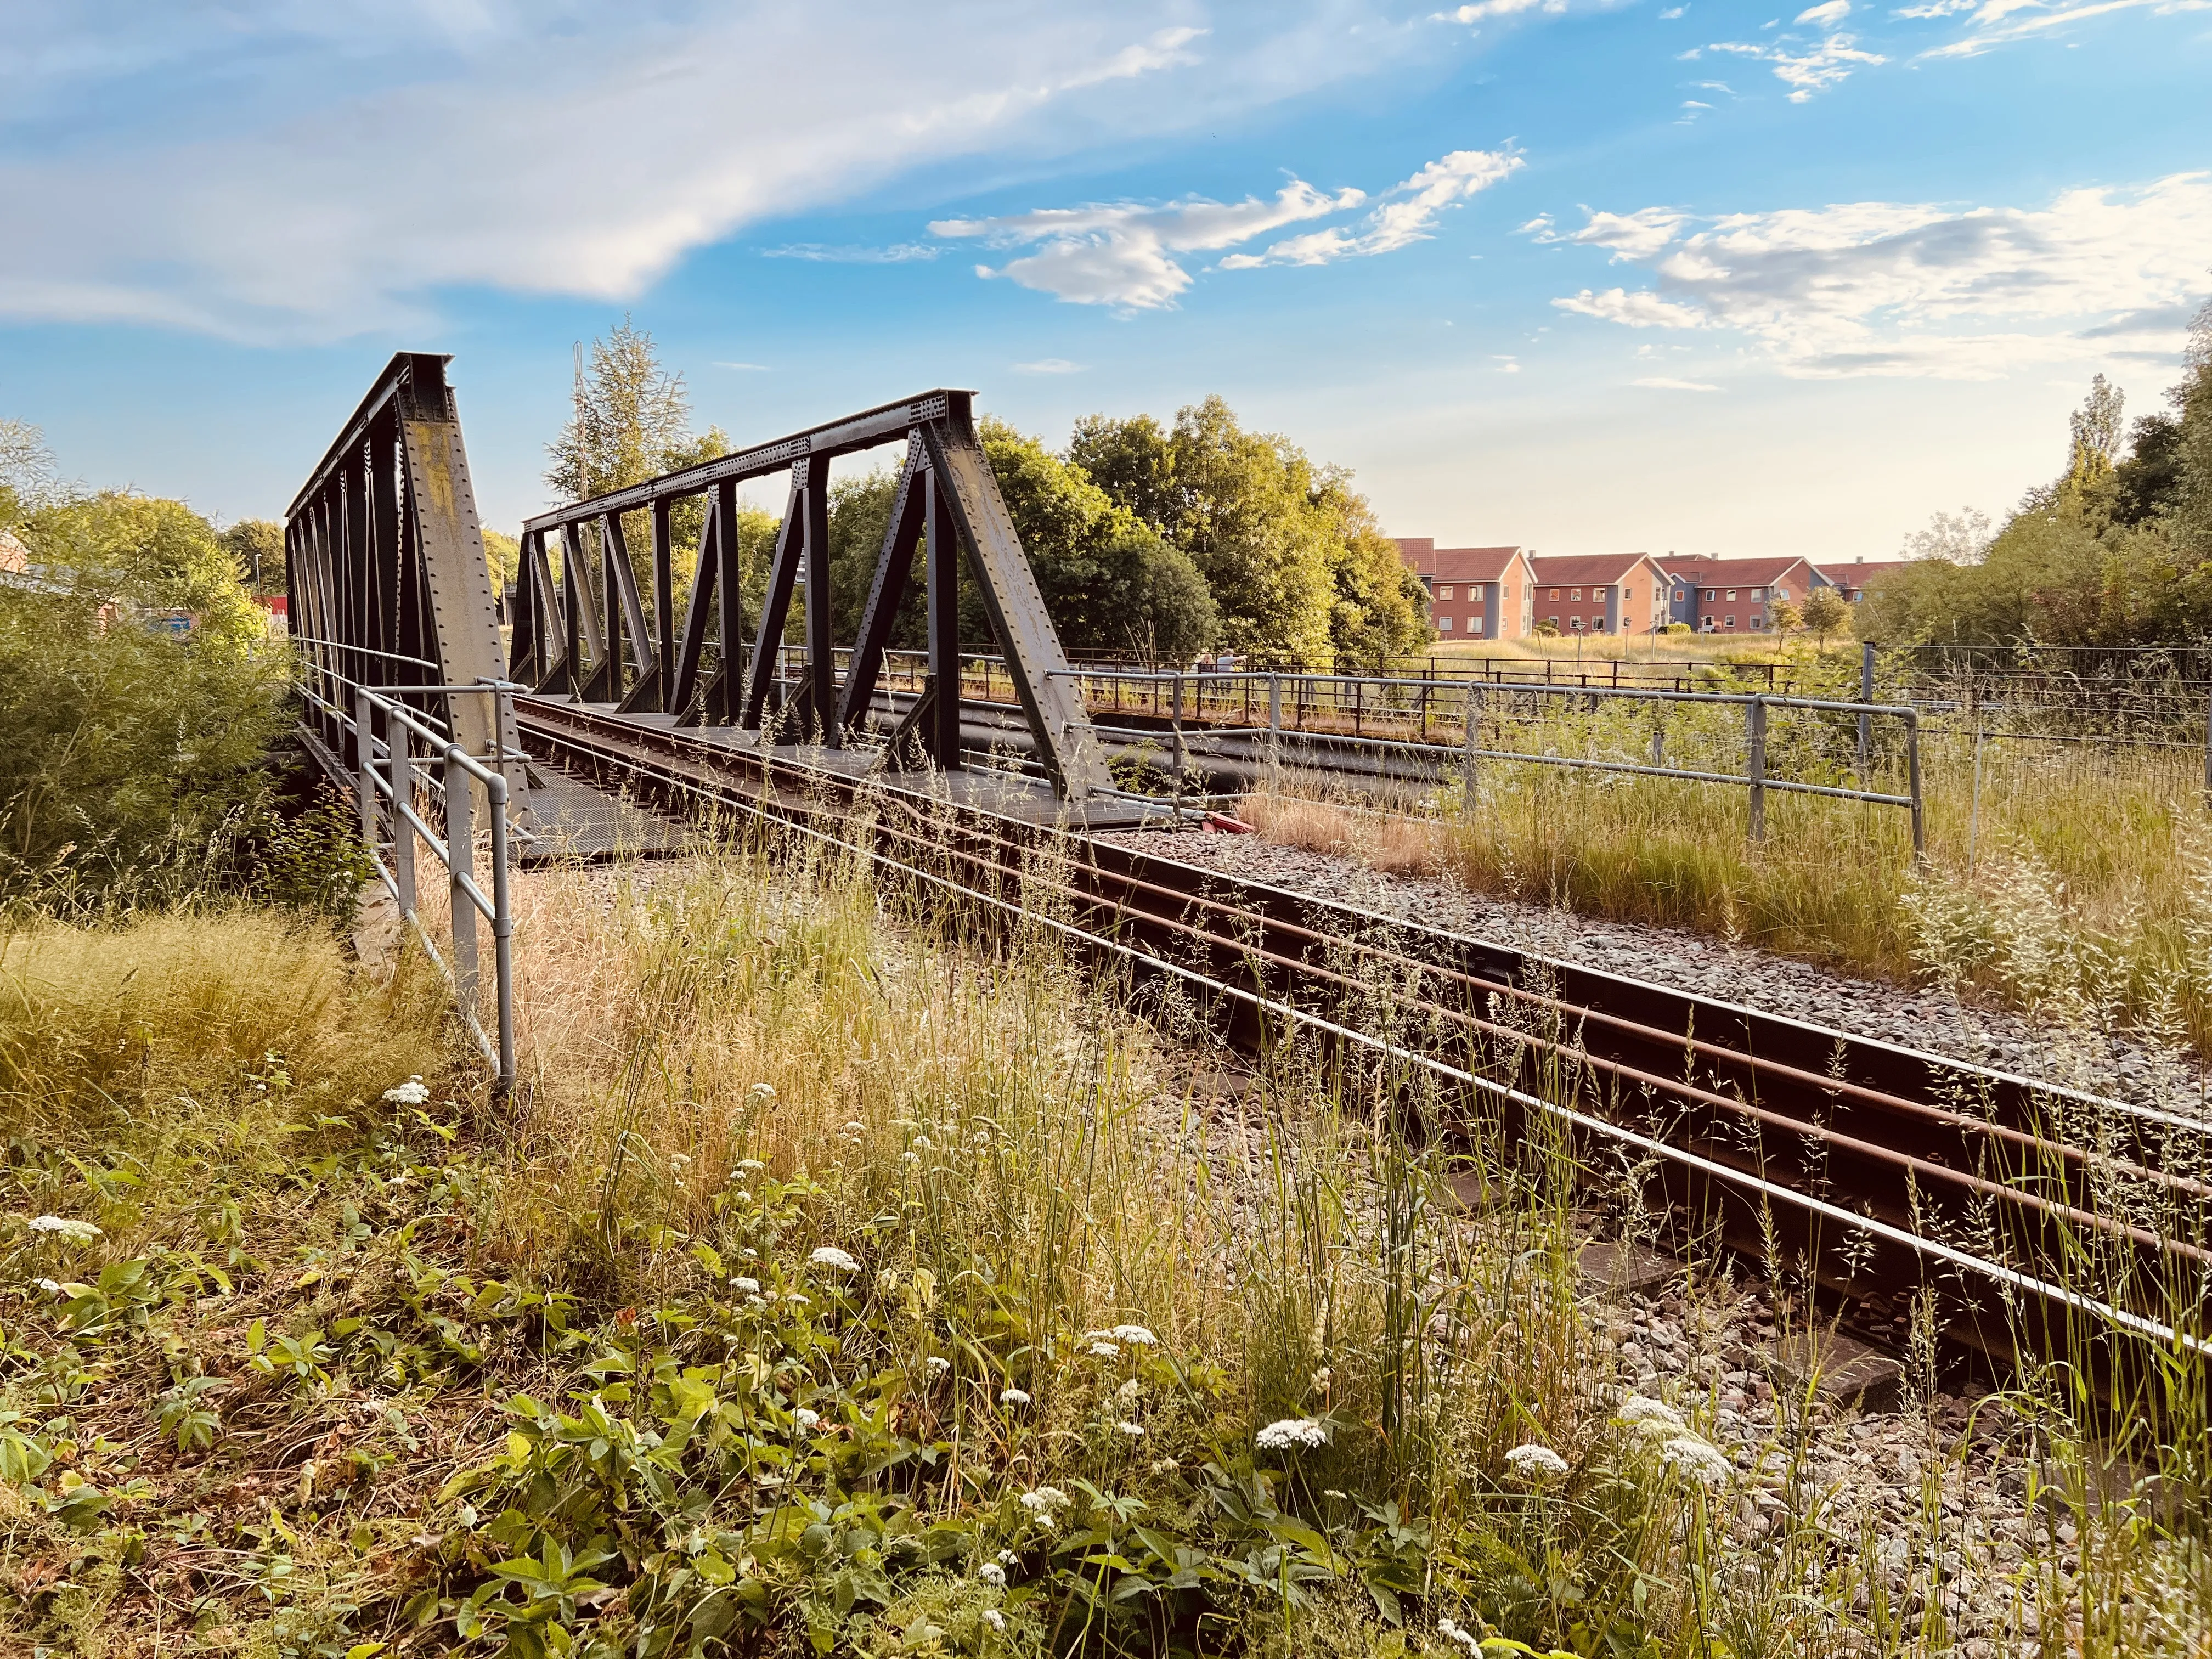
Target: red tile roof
1585	569
1732	573
1455	564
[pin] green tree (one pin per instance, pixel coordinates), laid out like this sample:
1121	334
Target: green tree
1290	553
1784	617
502	557
2192	442
1109	580
26	472
630	420
139	551
257	553
1826	611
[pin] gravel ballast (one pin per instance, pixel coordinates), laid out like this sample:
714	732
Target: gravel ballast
1914	1016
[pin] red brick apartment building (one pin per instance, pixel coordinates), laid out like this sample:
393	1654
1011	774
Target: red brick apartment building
1474	592
1852	579
1731	596
1601	592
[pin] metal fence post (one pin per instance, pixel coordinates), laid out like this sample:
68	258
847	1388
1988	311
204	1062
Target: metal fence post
503	935
1866	721
1474	700
1175	720
1757	768
399	744
1275	729
1913	779
460	860
364	754
1658	734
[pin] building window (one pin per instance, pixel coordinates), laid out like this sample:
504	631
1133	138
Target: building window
1680	596
1554	621
1555	594
1444	592
1576	596
1443	625
1576	623
1779	593
1731	622
1711	594
1758	593
1731	593
1758	621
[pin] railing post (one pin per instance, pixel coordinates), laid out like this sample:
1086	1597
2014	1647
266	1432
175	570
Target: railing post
460	860
1912	780
1175	720
1757	711
502	933
1275	729
1866	722
399	743
364	754
1474	702
1659	734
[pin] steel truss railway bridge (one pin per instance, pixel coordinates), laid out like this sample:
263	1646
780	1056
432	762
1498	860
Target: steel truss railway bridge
2017	1215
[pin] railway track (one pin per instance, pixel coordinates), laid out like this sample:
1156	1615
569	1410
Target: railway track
2036	1220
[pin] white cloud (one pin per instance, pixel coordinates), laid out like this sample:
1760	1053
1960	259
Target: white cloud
1618	305
311	173
1662	383
1485	10
1671	13
1507	363
1403	216
1048	366
1898	288
897	254
1827	13
1130	255
755	369
1995	22
1808	70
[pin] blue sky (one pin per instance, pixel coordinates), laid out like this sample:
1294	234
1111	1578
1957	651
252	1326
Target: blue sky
1700	276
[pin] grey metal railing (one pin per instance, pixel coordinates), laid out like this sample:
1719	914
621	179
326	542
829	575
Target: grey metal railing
1253	705
380	736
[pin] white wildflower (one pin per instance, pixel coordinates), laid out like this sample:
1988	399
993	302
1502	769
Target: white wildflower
1134	1430
1696	1460
1005	1557
1105	1351
1135	1336
751	1165
745	1286
1013	1396
1291	1432
413	1092
62	1226
1132	1389
993	1574
749	1254
909	1158
51	1286
828	1256
1467	1639
794	1299
939	1363
763	1092
803	1419
1534	1462
679	1160
1331	1491
922	1143
994	1618
1654	1415
741	1196
1046	1502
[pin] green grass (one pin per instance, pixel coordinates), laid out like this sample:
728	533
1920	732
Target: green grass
583	1373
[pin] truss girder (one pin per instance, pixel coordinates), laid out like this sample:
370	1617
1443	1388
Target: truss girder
388	583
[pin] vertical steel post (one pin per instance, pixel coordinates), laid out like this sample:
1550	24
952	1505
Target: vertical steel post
663	606
364	753
821	649
1659	734
1275	729
1912	780
1474	702
1866	721
1757	711
461	860
941	738
1175	720
399	743
502	931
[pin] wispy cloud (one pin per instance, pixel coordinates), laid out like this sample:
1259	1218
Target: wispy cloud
1807	69
1048	366
1663	383
1995	22
322	173
1901	288
753	368
1133	255
898	253
1484	10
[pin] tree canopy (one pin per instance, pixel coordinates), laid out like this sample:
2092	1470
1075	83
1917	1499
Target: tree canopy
2117	550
